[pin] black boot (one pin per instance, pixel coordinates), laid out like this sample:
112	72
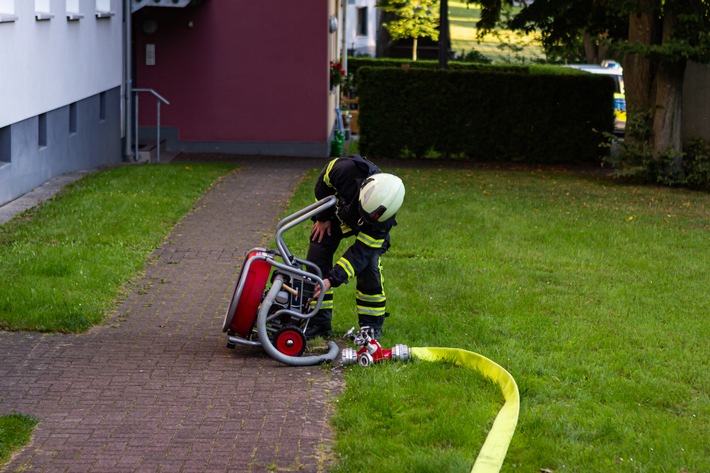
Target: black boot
319	325
374	322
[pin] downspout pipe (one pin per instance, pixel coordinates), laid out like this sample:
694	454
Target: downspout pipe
127	79
344	36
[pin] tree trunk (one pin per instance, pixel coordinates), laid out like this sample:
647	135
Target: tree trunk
669	97
640	75
414	48
384	38
444	34
593	53
669	102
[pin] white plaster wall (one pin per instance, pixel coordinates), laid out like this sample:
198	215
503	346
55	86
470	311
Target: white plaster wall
48	64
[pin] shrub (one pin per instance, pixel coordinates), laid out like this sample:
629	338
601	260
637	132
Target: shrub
484	113
637	160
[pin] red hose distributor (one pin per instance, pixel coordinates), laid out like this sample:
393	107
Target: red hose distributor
370	349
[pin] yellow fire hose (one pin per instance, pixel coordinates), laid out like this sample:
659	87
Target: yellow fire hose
492	454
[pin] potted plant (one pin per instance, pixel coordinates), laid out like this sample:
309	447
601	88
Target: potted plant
337	74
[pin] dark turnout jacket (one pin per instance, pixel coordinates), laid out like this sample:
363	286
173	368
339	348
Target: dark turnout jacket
342	177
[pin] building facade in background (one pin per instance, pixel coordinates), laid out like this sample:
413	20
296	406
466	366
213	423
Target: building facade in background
361	27
241	76
60	89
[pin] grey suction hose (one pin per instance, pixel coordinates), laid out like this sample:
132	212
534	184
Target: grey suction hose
333	349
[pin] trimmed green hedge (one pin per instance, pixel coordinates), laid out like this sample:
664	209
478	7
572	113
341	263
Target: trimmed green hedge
355	63
484	114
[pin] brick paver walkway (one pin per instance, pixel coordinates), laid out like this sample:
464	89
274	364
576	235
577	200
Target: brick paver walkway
156	389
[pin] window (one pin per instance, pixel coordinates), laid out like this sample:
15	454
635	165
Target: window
73	10
5	145
103	9
362	21
42	130
72	118
102	106
7	11
43	10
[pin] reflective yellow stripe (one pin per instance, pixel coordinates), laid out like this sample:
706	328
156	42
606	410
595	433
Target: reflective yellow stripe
369	241
327	301
344	228
326	176
490	457
370	297
324	305
345	264
376	311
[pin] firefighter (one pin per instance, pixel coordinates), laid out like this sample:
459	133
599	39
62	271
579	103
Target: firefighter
367	201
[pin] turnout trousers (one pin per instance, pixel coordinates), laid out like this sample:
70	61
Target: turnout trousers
370	295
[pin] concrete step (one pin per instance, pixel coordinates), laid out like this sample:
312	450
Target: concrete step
148	152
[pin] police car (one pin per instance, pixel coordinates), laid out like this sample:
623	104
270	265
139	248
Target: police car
613	70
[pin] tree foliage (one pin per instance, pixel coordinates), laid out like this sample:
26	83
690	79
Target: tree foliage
656	38
583	28
412	19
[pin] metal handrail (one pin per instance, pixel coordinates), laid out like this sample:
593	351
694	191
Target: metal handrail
160	99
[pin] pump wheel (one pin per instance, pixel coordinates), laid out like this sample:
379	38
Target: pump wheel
290	341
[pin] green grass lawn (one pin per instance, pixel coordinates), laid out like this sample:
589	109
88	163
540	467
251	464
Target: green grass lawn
66	262
524	48
15	431
591	293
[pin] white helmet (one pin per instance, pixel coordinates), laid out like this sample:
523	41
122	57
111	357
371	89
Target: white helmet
381	196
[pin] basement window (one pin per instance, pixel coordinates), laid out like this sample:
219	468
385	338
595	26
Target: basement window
72	119
102	106
7	11
43	10
5	145
42	131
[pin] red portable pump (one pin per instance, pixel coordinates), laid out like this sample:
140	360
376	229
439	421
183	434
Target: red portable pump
271	303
